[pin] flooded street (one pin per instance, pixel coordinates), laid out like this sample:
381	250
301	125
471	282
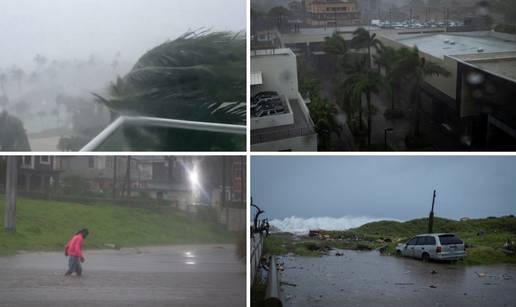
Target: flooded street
368	279
190	275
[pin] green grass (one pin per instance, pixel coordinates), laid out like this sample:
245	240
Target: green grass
482	249
48	225
486	248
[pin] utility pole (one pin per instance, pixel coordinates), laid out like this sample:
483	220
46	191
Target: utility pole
10	193
431	217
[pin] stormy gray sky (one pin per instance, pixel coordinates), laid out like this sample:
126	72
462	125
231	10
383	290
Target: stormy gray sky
67	29
394	187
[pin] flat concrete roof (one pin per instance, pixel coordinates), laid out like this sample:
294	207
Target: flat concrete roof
300	127
465	43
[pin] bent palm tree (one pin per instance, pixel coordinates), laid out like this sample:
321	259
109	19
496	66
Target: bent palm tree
417	68
336	46
364	81
362	38
388	58
199	77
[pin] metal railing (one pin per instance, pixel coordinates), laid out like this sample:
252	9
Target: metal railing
162	123
272	293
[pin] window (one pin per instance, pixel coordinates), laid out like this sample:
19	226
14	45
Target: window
44	159
412	241
449	239
91	162
28	162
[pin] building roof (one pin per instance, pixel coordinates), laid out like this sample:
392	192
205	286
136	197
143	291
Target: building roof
460	43
500	64
301	126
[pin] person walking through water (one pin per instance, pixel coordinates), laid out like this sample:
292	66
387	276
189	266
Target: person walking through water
73	250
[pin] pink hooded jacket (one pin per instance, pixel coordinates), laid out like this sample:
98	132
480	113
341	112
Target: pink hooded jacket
74	246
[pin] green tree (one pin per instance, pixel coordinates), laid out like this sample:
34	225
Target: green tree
364	81
337	47
198	77
12	134
415	69
323	114
362	38
388	59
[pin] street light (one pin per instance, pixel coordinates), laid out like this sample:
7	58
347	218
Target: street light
385	136
193	176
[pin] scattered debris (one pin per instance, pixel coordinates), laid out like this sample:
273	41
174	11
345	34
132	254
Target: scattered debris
288	284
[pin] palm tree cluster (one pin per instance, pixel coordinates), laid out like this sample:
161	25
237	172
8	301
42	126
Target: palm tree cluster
393	68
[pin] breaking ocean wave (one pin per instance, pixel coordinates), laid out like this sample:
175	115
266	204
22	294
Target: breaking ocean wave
300	225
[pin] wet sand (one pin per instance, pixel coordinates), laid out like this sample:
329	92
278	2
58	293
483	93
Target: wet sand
196	275
369	279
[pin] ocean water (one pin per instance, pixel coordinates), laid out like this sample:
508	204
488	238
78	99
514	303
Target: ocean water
299	225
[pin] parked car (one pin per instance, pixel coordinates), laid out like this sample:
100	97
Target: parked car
435	246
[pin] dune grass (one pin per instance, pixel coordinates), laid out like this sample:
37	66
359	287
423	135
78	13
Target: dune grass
484	238
43	225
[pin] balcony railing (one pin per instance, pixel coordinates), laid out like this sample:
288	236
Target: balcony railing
110	131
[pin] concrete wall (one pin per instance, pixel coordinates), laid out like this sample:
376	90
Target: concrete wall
279	73
302	143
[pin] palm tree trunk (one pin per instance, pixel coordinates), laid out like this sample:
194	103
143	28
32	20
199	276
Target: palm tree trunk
360	122
392	97
369	118
417	131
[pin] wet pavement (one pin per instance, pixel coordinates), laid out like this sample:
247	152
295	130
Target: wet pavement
190	275
369	279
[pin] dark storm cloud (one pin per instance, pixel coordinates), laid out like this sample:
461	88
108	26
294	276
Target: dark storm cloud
395	187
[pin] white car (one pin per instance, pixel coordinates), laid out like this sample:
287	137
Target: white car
435	246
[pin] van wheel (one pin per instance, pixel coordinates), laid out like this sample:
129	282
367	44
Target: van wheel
398	253
425	257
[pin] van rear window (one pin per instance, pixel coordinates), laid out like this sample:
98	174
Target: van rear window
449	239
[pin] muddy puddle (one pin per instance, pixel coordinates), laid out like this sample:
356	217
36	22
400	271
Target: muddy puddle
369	279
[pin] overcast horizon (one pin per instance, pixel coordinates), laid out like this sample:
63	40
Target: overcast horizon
393	187
65	30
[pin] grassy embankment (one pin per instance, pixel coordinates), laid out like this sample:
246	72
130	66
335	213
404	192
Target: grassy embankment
484	238
47	225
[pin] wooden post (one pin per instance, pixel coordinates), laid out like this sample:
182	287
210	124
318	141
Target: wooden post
10	193
431	217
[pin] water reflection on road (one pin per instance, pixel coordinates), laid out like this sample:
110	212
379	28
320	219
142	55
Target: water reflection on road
195	275
368	279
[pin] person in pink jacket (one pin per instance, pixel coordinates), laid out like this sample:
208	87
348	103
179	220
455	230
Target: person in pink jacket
73	250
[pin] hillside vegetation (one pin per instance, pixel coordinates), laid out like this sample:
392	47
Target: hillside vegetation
48	225
484	238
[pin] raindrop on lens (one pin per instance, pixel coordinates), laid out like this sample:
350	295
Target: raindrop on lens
475	78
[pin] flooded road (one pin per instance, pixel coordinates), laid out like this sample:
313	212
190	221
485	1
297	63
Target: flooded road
368	279
196	275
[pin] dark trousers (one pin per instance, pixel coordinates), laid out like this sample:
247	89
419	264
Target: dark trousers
74	265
